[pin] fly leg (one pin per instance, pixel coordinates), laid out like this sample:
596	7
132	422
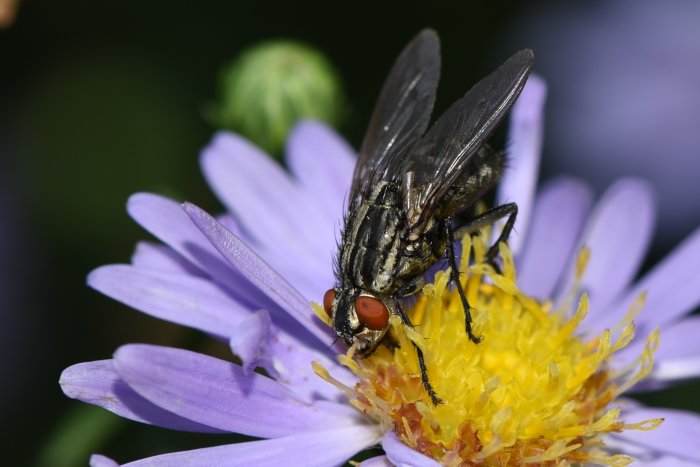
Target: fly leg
421	360
413	287
452	261
490	217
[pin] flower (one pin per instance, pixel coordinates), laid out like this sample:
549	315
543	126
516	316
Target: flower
248	277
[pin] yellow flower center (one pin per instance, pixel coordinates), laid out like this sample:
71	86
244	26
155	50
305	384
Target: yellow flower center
534	391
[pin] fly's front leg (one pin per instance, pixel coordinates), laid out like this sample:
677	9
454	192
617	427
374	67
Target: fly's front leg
452	261
490	217
421	360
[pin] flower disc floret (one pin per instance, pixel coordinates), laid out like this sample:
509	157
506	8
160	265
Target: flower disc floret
534	391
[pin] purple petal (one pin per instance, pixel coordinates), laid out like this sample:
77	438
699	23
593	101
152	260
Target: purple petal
241	257
664	461
680	339
248	338
97	383
323	162
309	280
287	359
217	393
318	449
677	358
672	286
643	455
158	257
198	303
677	436
230	222
274	209
178	298
291	362
618	234
379	461
400	454
558	217
97	460
676	369
525	135
165	219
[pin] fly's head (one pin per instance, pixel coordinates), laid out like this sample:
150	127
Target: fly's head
359	318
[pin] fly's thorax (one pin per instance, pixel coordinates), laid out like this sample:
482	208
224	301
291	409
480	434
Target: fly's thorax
373	240
421	250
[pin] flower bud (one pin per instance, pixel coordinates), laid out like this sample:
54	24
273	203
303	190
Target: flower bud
271	86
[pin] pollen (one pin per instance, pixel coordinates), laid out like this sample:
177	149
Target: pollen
536	390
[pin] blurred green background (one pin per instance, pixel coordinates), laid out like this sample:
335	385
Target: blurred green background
99	100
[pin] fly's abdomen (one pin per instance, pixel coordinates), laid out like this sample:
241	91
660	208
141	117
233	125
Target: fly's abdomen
479	176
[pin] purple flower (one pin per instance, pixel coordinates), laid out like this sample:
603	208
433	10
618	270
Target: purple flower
249	276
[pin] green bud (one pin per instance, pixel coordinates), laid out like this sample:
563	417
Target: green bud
271	86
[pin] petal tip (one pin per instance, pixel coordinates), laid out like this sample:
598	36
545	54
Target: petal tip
530	104
98	460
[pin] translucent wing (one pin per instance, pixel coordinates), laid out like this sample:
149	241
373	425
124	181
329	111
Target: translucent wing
402	111
431	167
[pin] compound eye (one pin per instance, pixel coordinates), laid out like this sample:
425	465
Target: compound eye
328	299
372	312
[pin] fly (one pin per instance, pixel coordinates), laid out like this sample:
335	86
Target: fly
408	184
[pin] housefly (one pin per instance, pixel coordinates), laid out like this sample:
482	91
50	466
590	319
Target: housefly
408	184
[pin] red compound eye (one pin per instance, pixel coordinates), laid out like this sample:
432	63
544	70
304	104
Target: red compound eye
372	312
328	299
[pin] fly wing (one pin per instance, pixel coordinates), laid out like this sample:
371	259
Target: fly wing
402	112
434	163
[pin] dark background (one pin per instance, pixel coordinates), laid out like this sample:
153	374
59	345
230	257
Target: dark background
102	99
